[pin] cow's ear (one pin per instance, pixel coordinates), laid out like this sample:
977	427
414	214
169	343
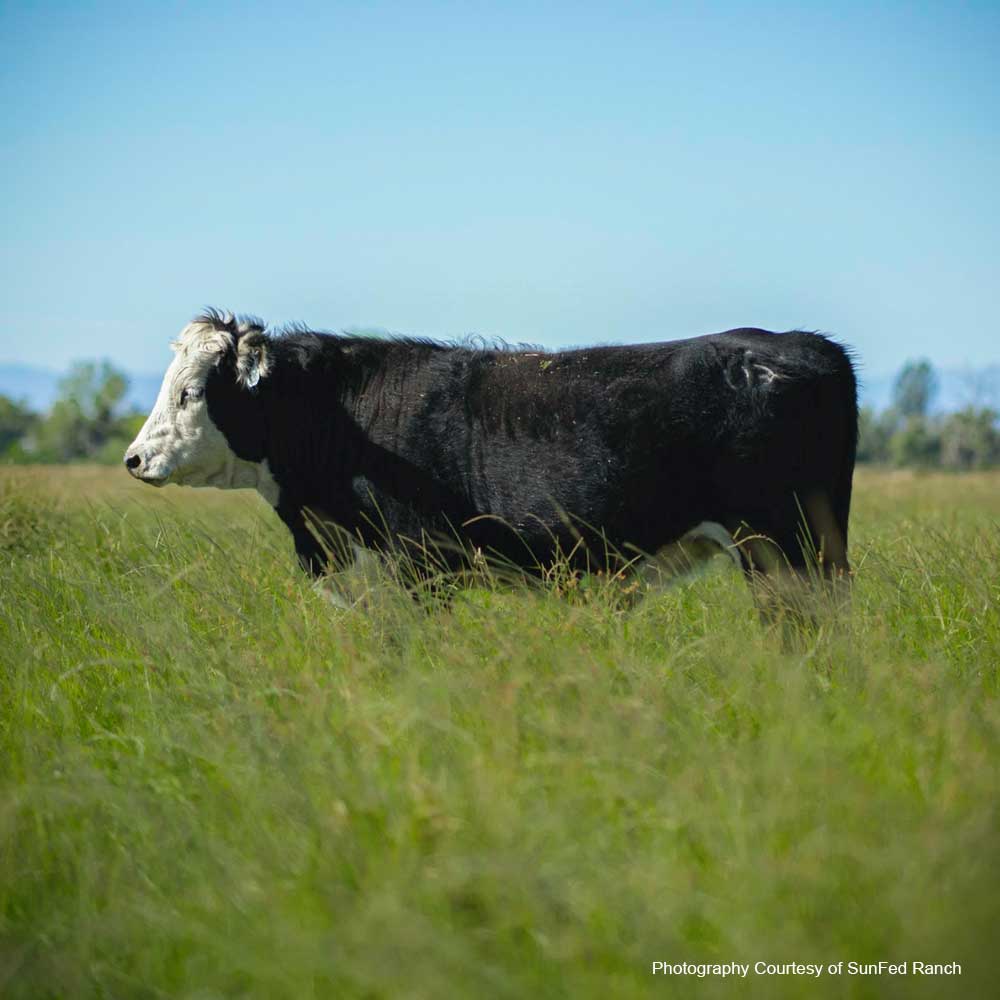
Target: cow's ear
253	359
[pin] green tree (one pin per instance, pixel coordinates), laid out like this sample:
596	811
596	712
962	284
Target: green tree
914	390
970	439
916	443
84	423
15	422
874	433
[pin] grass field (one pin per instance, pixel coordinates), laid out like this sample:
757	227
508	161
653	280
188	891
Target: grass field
213	784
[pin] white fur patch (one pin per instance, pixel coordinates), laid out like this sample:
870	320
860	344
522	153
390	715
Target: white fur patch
769	373
690	554
712	531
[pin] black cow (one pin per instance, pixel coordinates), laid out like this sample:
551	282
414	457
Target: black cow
599	453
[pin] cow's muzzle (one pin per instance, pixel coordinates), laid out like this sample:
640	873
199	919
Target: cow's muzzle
137	469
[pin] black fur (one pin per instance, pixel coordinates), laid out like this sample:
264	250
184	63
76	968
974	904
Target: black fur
523	453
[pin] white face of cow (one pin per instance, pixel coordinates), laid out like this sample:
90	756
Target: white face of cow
179	442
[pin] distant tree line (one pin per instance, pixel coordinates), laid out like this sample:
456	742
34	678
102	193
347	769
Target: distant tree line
908	434
89	423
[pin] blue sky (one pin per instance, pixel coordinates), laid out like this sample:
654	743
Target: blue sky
553	173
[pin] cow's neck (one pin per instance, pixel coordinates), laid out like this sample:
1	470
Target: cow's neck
312	449
319	437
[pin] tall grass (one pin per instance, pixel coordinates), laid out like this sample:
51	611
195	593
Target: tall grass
214	784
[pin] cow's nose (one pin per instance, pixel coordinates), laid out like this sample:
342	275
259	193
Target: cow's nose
133	461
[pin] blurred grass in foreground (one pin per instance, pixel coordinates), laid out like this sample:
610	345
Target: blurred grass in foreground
213	784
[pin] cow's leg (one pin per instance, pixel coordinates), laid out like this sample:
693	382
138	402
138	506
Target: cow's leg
323	548
344	573
795	560
310	552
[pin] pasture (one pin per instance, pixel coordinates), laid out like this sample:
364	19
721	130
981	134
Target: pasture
214	784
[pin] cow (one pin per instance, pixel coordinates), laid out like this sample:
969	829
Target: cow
742	441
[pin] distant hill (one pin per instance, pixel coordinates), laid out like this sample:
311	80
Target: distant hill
957	388
40	387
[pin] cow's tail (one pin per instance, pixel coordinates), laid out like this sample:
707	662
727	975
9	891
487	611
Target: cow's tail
828	511
845	473
823	383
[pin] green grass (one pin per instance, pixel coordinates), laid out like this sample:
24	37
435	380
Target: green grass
214	784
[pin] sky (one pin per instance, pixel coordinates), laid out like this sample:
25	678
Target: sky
559	174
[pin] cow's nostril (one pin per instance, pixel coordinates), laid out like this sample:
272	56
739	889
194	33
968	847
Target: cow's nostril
132	461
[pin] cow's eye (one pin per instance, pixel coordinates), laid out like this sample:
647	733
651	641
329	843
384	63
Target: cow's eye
188	394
